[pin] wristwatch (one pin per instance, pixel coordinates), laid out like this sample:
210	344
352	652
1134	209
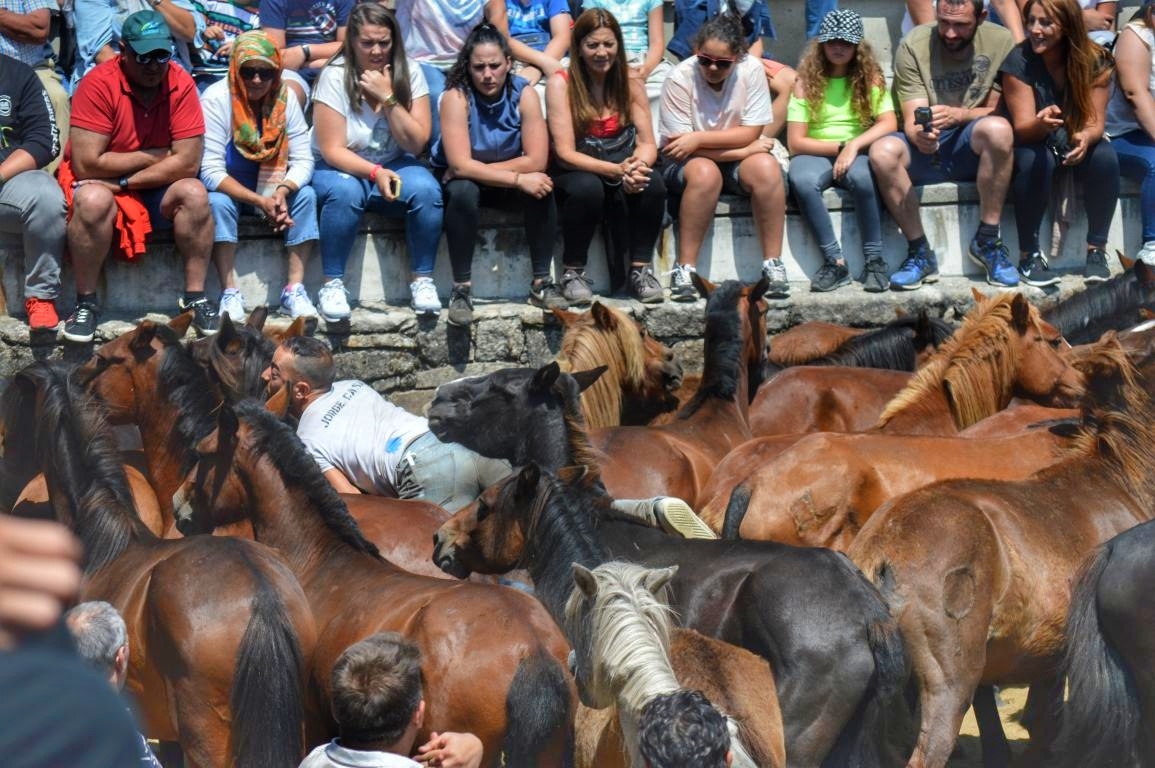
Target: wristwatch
123	183
308	55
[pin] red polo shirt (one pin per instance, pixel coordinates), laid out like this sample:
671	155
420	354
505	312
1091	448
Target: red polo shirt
104	103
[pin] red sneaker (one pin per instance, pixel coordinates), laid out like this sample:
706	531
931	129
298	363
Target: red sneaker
41	313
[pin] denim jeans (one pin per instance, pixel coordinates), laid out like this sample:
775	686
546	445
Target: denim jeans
32	205
810	176
302	210
343	198
447	474
1136	151
816	11
435	78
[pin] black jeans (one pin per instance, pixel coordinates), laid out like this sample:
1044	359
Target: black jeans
463	201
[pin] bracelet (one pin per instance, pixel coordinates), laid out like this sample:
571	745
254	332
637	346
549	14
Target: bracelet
305	50
373	173
286	186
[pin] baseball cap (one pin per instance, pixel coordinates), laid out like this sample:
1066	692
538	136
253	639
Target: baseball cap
842	24
146	31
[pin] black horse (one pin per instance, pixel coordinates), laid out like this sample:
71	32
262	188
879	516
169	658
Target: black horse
838	659
1109	717
1109	306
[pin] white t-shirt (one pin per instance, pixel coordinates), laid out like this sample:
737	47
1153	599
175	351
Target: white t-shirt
690	104
1120	114
353	429
435	30
366	132
333	755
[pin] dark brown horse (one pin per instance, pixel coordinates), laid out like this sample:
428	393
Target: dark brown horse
979	572
217	667
492	658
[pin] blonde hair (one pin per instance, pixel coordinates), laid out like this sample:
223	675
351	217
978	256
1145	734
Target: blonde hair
863	72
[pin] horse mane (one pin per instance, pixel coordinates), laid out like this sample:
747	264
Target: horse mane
240	382
587	345
581	450
278	442
79	457
892	347
1112	304
185	385
976	367
722	352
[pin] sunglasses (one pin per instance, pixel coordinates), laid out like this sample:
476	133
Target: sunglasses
710	61
252	73
154	57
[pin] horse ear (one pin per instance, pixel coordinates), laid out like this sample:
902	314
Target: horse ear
1020	312
296	328
704	286
572	475
145	333
278	404
528	479
759	289
603	317
659	577
257	318
227	339
227	329
1143	272
181	322
585	580
1126	262
544	378
585	379
564	316
978	295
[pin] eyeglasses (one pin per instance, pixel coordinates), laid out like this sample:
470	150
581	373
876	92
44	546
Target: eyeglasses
252	73
154	57
710	61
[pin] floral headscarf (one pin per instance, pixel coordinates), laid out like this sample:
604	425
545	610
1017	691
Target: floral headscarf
270	145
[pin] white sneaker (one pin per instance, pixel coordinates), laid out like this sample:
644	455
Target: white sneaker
232	303
333	301
1147	253
295	302
425	299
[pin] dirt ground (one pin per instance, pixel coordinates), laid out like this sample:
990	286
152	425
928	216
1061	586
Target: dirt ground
968	752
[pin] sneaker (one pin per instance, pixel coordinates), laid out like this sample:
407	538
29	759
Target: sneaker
645	287
994	258
875	278
1147	253
775	271
333	301
672	515
425	300
81	324
681	286
41	314
547	295
295	302
576	287
1035	270
1096	270
206	320
233	304
461	305
920	267
830	275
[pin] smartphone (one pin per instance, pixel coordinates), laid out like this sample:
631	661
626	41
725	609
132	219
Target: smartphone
923	116
395	186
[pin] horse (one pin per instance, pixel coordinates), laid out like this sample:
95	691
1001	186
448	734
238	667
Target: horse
625	655
839	666
978	571
253	466
1113	305
900	345
219	670
1109	717
641	373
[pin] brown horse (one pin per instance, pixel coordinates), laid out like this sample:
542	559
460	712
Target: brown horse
641	373
492	657
979	571
814	398
218	668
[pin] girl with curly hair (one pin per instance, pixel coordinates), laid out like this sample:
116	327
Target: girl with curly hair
839	107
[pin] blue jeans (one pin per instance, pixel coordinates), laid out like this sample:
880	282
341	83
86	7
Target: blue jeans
816	11
811	175
302	210
343	198
1136	151
435	78
32	206
447	474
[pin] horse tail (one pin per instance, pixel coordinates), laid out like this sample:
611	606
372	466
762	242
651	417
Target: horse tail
735	511
266	699
537	711
1100	721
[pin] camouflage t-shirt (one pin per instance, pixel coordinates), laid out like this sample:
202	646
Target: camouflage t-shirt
923	69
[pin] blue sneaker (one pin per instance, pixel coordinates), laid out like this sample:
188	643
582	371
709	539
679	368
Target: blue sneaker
994	258
920	267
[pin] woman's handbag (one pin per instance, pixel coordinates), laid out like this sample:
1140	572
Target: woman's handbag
614	149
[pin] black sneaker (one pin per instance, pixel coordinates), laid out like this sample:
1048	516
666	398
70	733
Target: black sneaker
875	276
460	305
80	326
547	295
1096	270
206	321
1034	270
830	275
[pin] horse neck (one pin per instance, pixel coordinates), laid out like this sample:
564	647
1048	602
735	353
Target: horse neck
929	415
552	546
285	519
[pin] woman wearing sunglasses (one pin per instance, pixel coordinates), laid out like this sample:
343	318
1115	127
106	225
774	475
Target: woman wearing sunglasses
257	160
714	107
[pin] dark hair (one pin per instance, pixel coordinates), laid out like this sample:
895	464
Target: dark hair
376	688
977	5
726	27
683	730
312	360
483	34
617	85
376	15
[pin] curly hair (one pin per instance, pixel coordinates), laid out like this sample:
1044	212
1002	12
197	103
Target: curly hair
1087	61
617	84
483	34
863	72
726	28
683	730
375	15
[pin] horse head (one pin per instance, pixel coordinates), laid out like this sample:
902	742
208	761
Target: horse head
236	356
1043	373
213	494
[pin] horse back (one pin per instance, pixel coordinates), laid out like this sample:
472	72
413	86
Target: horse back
823	398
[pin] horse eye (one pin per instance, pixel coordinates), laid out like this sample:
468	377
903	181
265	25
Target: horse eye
482	510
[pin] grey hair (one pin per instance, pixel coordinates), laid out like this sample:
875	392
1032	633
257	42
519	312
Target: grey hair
99	632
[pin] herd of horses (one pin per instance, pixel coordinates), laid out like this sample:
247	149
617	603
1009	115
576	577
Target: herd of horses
907	518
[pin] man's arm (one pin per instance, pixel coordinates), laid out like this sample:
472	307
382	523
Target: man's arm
37	140
339	482
31	27
90	160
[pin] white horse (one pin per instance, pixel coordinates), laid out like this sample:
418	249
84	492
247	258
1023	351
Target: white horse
626	653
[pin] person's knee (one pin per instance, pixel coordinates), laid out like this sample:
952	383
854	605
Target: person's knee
761	174
93	205
422	184
462	195
702	174
187	195
993	135
804	179
888	156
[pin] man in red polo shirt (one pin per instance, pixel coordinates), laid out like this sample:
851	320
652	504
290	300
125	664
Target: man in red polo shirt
135	148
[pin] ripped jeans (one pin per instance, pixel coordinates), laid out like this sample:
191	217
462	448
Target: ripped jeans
447	474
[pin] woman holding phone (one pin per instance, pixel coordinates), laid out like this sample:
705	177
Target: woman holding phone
371	118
